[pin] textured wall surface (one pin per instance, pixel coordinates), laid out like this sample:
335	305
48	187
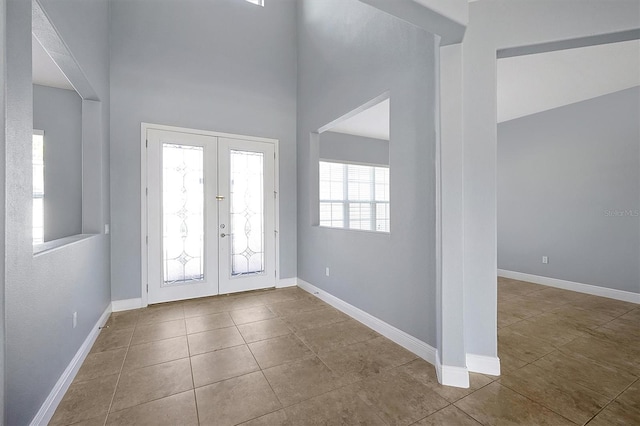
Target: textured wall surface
356	149
3	9
496	25
43	291
226	66
569	189
348	54
58	112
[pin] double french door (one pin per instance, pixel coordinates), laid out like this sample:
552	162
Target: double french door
210	215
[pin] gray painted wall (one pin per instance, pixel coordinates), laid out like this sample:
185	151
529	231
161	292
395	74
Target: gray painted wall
226	66
59	113
356	149
3	9
496	25
348	54
562	175
42	292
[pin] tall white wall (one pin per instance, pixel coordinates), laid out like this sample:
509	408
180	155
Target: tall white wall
42	292
3	23
348	54
224	65
569	189
496	25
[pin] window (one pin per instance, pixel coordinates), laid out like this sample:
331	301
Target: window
354	196
257	2
38	186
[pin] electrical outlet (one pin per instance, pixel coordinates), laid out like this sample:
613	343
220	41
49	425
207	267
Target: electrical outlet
545	259
75	319
326	271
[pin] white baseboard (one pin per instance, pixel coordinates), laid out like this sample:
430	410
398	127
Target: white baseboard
48	408
450	375
483	364
287	282
611	293
418	347
126	304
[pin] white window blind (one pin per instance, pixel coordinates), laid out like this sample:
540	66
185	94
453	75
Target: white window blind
354	196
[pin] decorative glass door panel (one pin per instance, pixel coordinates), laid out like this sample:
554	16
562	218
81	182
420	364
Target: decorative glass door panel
247	212
182	219
245	179
182	213
210	215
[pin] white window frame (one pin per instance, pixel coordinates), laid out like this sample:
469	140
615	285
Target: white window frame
346	202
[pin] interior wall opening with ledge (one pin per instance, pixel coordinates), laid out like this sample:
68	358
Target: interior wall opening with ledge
389	275
66	152
57	118
353	169
57	294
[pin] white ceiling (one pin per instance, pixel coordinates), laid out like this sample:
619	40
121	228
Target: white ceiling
534	83
371	123
45	71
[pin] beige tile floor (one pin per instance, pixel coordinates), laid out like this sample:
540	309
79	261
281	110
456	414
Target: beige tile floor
283	357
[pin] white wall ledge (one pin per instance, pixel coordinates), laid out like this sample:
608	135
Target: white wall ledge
50	246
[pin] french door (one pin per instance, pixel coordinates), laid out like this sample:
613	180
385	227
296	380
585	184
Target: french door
210	215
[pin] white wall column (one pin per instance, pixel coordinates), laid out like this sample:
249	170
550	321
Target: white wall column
452	367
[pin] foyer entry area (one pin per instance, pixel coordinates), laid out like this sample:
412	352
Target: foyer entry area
284	357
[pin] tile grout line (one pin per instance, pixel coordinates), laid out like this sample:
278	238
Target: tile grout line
261	372
280	317
527	397
162	338
557	349
115	389
537	403
317	355
612	400
152	365
193	383
469	415
448	406
129	345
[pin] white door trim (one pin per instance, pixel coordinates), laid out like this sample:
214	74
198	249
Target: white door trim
143	190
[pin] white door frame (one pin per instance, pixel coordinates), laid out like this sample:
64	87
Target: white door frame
143	193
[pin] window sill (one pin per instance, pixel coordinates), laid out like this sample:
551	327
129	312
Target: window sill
49	246
365	231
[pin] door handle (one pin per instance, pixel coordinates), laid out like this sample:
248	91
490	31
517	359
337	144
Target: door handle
219	197
225	235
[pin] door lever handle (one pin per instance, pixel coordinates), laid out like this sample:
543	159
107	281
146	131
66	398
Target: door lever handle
219	197
225	235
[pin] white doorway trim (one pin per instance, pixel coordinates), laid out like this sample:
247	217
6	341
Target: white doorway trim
143	191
